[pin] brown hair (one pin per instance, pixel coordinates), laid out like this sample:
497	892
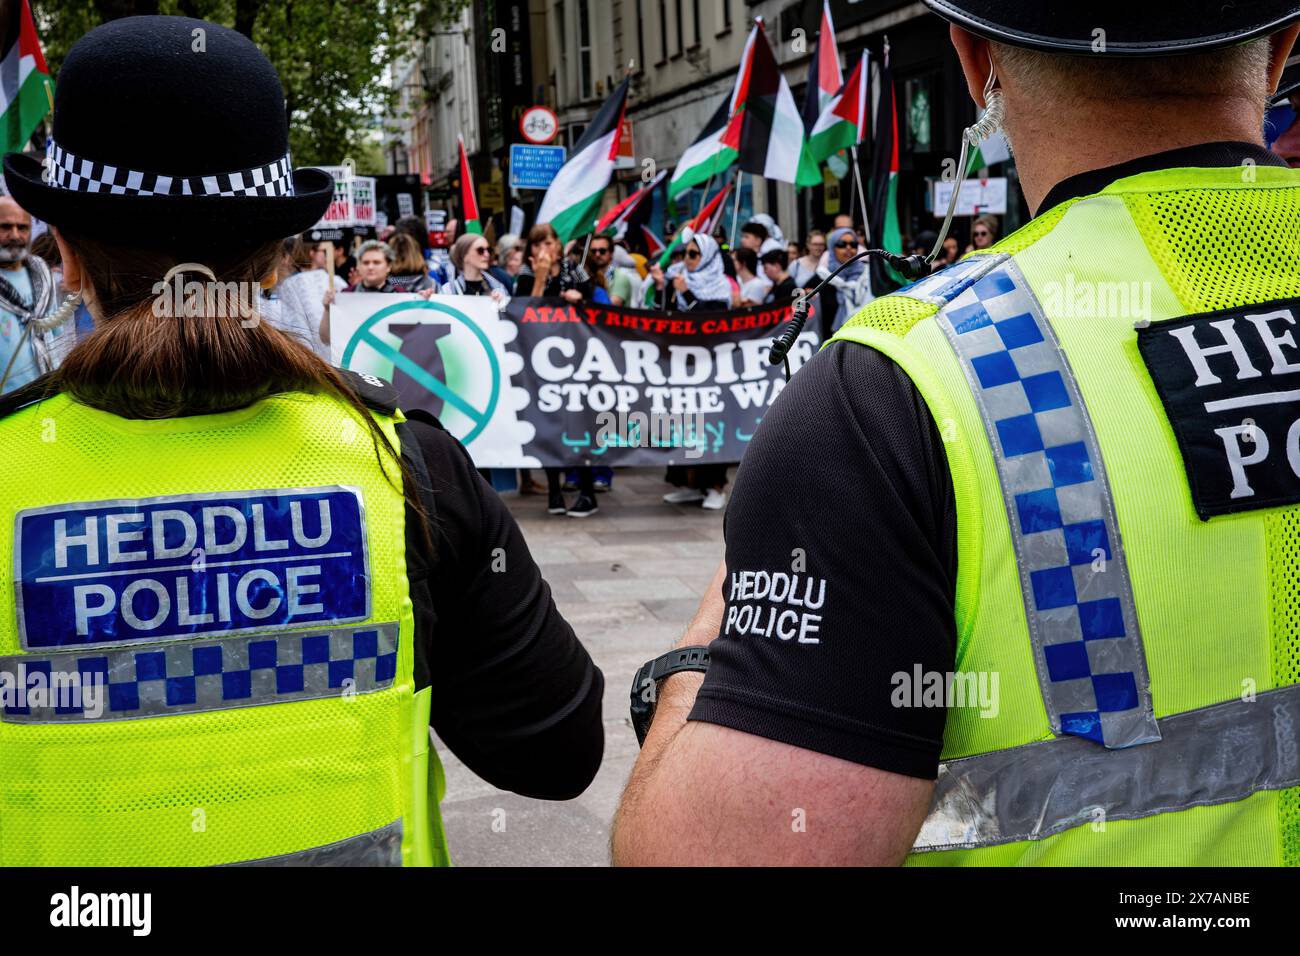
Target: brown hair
300	250
540	233
144	365
407	258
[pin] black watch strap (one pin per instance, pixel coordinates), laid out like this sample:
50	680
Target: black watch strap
645	686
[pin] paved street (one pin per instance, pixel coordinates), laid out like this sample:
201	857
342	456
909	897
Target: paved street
628	579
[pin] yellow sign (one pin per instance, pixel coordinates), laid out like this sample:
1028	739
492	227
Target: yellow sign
830	192
492	196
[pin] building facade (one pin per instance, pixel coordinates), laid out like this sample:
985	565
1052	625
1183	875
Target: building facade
683	55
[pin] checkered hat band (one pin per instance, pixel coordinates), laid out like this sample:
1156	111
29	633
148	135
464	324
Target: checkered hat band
66	171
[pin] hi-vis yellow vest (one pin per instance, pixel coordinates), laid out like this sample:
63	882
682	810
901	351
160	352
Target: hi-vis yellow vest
1118	390
206	651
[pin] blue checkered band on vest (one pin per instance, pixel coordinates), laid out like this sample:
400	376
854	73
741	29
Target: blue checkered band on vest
1078	598
66	171
198	675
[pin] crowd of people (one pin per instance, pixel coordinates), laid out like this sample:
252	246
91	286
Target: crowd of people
702	273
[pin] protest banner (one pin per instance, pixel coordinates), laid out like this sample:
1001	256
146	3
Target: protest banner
545	382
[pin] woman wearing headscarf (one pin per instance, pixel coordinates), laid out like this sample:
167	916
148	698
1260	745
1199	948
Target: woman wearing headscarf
702	285
853	285
277	579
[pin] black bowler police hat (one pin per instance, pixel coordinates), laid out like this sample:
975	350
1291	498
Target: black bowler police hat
1130	28
169	133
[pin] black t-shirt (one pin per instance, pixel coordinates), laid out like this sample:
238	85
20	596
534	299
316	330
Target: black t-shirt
842	509
514	694
844	498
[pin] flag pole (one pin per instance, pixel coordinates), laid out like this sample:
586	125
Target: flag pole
704	201
857	179
587	245
735	209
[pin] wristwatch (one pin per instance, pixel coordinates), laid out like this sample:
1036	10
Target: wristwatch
645	686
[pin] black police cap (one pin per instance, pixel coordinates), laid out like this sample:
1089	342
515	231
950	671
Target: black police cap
1118	28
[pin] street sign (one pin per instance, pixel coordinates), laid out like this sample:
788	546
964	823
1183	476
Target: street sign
538	125
533	167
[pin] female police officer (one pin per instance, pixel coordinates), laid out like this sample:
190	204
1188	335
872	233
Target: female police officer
245	583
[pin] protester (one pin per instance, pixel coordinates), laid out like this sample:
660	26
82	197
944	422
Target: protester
769	224
32	342
345	265
983	233
409	273
549	273
600	265
853	285
302	296
805	267
753	235
374	268
951	249
509	257
753	287
792	252
782	286
923	244
470	255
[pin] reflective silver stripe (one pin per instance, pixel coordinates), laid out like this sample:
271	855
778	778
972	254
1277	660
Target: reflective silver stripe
1215	755
1078	600
202	675
382	847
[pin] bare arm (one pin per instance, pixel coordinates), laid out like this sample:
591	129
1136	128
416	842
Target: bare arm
703	794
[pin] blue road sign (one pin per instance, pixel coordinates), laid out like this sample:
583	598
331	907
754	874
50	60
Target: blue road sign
533	167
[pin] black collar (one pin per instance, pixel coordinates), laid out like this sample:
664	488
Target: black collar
1204	155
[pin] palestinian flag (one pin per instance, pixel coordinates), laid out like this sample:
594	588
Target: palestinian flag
844	121
24	80
573	199
824	81
990	151
620	214
765	127
885	233
706	157
468	204
703	222
653	244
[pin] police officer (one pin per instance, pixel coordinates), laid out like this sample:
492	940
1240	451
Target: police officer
245	583
1035	602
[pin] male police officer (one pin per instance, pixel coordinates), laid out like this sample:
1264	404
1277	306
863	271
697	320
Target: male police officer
1057	620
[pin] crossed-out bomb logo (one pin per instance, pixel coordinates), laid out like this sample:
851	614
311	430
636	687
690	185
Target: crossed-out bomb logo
440	359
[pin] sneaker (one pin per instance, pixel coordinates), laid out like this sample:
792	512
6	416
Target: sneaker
585	505
555	504
600	486
683	496
714	500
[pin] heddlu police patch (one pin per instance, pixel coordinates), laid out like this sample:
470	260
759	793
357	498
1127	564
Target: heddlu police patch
156	569
1230	383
